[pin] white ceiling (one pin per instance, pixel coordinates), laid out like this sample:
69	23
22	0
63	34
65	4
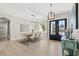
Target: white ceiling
33	11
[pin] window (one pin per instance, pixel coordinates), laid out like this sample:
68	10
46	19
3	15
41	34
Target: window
24	28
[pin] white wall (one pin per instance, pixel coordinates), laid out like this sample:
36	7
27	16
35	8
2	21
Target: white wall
73	17
15	25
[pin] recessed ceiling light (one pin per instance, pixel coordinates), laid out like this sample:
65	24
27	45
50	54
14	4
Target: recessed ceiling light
33	15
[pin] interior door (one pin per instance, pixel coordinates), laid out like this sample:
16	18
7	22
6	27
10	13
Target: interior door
4	29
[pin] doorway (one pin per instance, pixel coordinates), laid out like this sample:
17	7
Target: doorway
4	29
57	28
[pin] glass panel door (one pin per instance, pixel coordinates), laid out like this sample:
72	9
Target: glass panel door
57	29
61	27
53	27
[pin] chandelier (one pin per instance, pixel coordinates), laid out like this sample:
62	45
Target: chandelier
51	14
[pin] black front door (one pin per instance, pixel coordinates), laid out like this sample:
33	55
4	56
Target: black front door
57	28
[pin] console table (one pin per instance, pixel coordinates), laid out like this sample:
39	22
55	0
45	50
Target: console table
70	47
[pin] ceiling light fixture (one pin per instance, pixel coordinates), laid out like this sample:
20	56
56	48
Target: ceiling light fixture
33	15
51	14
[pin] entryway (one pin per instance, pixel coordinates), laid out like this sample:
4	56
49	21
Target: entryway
57	28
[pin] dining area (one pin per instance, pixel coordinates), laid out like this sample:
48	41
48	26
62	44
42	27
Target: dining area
30	37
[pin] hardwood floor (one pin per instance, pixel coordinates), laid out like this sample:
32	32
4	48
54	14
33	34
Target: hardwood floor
41	48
